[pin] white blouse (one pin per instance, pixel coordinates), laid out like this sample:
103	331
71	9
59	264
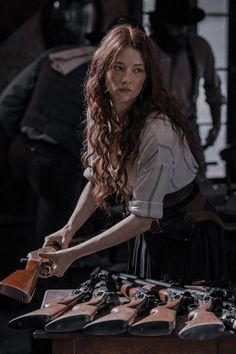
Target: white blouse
163	165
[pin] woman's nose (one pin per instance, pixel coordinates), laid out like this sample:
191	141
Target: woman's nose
127	77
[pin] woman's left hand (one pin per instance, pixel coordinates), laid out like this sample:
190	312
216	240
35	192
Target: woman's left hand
60	260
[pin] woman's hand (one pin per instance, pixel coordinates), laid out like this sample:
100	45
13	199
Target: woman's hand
60	260
59	238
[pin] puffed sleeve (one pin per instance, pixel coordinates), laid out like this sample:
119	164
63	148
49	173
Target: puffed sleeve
154	170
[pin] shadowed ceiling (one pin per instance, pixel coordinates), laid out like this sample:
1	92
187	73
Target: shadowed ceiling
13	13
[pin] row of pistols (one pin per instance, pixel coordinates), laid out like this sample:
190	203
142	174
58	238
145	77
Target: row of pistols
112	304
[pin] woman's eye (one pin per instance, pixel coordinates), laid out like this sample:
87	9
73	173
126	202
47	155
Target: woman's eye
117	68
138	70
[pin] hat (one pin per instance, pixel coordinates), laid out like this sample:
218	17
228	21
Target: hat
177	12
95	37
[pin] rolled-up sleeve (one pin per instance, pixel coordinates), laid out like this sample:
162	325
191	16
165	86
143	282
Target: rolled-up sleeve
154	172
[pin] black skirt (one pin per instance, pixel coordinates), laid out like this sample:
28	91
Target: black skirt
201	257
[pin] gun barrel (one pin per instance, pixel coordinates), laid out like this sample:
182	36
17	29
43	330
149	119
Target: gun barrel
198	291
144	281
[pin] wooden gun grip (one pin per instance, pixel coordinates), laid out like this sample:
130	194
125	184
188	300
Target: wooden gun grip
161	321
20	285
116	322
40	317
77	317
202	324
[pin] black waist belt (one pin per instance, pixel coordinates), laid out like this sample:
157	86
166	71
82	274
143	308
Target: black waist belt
189	199
180	198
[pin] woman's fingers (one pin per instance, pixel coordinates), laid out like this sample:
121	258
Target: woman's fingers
47	255
51	267
46	268
64	242
56	242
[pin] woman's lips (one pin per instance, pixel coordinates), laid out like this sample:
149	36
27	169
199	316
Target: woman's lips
124	90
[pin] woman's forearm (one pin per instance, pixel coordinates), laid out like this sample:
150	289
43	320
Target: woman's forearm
120	232
84	209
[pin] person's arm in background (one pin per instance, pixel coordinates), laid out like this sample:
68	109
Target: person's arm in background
214	97
16	96
213	133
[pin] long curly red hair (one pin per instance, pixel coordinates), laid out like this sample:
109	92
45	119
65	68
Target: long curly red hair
105	134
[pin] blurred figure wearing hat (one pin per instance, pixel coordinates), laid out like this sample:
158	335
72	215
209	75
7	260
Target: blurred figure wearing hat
42	110
186	58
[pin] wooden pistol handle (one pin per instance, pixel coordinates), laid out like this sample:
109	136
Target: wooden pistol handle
20	285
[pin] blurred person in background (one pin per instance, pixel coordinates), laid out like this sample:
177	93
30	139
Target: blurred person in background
185	59
41	112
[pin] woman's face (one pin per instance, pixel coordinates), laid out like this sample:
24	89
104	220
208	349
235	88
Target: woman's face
125	78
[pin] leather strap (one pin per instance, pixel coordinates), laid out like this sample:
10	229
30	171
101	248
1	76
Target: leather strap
203	215
197	203
196	209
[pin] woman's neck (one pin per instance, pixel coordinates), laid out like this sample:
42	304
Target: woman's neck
120	110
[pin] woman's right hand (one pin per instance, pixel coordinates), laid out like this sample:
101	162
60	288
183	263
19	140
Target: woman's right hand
59	239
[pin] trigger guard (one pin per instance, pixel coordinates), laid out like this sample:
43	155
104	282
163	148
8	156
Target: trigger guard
46	269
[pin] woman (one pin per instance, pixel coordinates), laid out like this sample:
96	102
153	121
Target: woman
140	148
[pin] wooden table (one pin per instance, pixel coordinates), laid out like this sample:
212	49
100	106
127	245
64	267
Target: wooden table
77	343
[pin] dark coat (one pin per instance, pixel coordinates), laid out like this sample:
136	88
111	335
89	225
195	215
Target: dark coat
42	98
